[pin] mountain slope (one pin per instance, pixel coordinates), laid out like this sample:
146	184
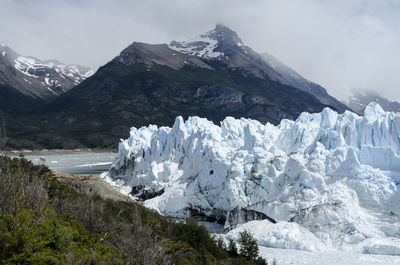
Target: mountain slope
361	98
14	102
224	45
160	54
323	181
292	78
154	83
26	84
11	77
118	96
214	77
36	78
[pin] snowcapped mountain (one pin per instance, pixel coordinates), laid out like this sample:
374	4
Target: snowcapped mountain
211	44
323	181
223	44
361	98
38	78
153	83
213	77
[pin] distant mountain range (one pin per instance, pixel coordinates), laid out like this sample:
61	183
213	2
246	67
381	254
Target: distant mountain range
361	98
36	78
214	75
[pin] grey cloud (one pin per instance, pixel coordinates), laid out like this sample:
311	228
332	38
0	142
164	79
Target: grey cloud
342	44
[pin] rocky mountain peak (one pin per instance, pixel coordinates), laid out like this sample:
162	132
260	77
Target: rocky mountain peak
223	44
214	44
223	33
7	53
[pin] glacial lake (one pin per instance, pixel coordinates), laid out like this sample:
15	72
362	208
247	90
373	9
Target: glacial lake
78	163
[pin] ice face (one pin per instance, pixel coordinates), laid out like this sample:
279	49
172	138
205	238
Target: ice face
335	175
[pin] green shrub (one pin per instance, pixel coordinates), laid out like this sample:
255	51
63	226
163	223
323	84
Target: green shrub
44	221
248	245
232	248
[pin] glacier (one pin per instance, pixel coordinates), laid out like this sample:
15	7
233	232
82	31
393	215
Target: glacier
323	181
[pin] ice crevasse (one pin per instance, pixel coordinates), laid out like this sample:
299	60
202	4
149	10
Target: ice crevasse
331	180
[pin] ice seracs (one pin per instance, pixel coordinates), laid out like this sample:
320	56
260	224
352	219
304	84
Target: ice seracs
333	177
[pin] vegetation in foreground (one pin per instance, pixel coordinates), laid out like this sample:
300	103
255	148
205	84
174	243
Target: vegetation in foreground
43	221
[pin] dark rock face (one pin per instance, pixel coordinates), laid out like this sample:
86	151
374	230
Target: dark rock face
143	194
208	215
239	216
126	169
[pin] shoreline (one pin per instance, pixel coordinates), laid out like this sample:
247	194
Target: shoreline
60	151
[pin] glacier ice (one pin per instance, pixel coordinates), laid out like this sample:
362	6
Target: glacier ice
280	235
334	175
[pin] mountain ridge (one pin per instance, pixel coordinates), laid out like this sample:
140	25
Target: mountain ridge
37	78
152	84
223	44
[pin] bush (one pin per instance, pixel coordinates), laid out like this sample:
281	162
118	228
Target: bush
44	221
31	232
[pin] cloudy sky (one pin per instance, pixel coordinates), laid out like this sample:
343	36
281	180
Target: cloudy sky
340	44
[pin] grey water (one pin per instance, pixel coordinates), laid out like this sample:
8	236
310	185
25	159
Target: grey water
93	163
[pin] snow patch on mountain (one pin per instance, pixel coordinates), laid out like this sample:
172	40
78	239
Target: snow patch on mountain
207	45
42	79
33	67
327	176
25	65
201	46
